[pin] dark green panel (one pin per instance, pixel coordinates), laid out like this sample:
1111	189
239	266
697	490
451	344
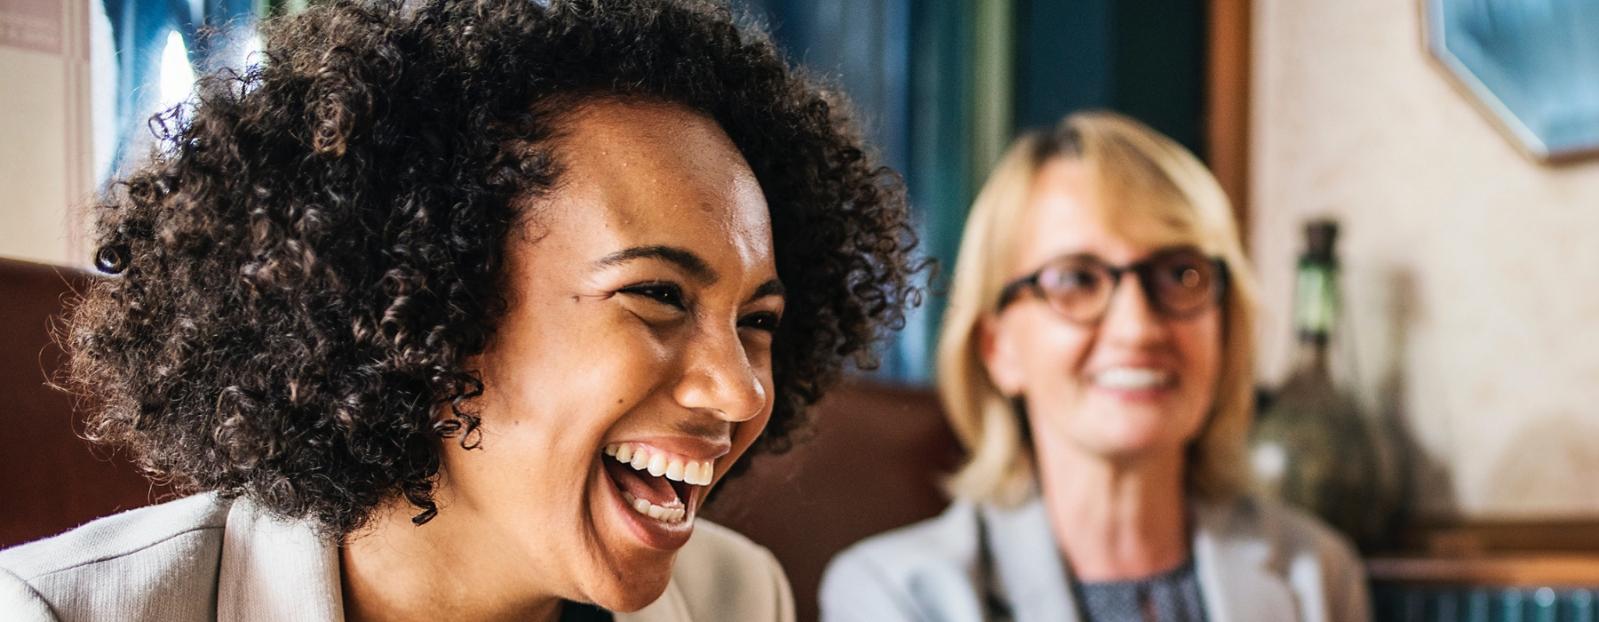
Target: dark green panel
1159	66
1063	59
1143	59
938	175
904	64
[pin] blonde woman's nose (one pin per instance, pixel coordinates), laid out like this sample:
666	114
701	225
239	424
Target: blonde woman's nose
1131	315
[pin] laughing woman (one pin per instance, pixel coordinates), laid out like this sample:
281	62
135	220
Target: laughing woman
457	311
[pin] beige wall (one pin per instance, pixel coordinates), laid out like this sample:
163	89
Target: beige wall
44	128
1472	273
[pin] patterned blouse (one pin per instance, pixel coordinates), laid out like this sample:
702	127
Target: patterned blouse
1172	596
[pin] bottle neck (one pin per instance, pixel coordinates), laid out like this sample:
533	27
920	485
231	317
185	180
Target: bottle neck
1310	355
1315	311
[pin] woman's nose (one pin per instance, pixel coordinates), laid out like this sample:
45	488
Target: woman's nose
1131	316
719	378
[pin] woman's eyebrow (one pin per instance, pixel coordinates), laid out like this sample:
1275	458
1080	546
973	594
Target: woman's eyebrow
773	287
691	263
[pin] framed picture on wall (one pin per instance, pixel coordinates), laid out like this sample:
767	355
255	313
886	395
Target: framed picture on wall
1531	67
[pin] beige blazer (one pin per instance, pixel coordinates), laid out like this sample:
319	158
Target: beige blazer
208	558
1255	561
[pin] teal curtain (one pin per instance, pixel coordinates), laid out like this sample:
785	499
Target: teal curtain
940	86
1143	59
944	85
908	67
139	32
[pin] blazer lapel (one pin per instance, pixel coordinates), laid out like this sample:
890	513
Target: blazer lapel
1240	574
276	570
1029	573
280	570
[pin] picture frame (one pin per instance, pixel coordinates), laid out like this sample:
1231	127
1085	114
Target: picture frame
1531	66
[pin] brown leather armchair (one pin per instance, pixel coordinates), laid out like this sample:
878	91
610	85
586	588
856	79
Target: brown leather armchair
873	462
53	480
869	461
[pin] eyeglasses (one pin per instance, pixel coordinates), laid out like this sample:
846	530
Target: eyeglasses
1179	283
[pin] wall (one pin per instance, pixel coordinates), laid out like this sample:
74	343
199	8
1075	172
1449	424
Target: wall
1471	273
44	128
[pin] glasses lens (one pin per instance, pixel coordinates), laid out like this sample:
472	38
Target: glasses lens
1183	281
1077	287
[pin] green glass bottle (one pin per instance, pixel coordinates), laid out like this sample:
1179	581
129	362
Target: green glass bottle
1311	446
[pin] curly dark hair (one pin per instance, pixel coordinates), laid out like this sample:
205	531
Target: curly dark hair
314	251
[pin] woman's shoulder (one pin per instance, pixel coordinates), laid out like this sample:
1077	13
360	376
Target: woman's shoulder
138	535
898	573
946	540
1316	563
714	548
165	553
1291	531
721	572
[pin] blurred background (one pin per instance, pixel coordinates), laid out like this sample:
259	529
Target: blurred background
1448	142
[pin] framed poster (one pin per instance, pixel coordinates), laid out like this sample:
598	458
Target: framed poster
1531	66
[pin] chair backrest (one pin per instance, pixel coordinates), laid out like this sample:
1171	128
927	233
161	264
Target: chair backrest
54	480
873	460
869	461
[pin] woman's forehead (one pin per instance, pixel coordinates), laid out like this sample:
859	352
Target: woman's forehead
1074	209
653	174
646	139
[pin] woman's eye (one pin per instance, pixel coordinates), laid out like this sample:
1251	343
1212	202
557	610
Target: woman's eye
665	293
1184	275
1074	279
764	320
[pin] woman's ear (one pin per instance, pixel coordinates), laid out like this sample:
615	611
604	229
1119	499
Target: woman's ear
998	350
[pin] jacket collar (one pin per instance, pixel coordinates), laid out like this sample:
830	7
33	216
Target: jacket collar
1028	572
1240	573
274	569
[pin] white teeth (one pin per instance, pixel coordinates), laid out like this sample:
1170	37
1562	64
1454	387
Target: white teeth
673	513
1132	378
661	464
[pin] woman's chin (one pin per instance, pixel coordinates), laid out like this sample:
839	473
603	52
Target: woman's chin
632	592
1135	433
1135	443
636	564
630	578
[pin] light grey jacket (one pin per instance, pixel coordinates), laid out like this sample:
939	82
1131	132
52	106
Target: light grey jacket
207	558
1254	560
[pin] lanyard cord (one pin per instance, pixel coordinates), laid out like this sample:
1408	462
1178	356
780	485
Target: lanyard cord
995	609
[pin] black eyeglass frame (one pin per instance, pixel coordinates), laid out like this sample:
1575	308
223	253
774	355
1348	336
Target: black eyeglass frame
1143	269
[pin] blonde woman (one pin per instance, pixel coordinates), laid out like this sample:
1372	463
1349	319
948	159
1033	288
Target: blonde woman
1096	364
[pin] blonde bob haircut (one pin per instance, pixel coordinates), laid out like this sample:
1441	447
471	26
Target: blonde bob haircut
1147	176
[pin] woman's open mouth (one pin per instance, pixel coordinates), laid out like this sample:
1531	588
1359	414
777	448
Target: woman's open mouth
657	484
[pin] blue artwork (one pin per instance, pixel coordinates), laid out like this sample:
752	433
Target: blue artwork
1532	64
209	32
